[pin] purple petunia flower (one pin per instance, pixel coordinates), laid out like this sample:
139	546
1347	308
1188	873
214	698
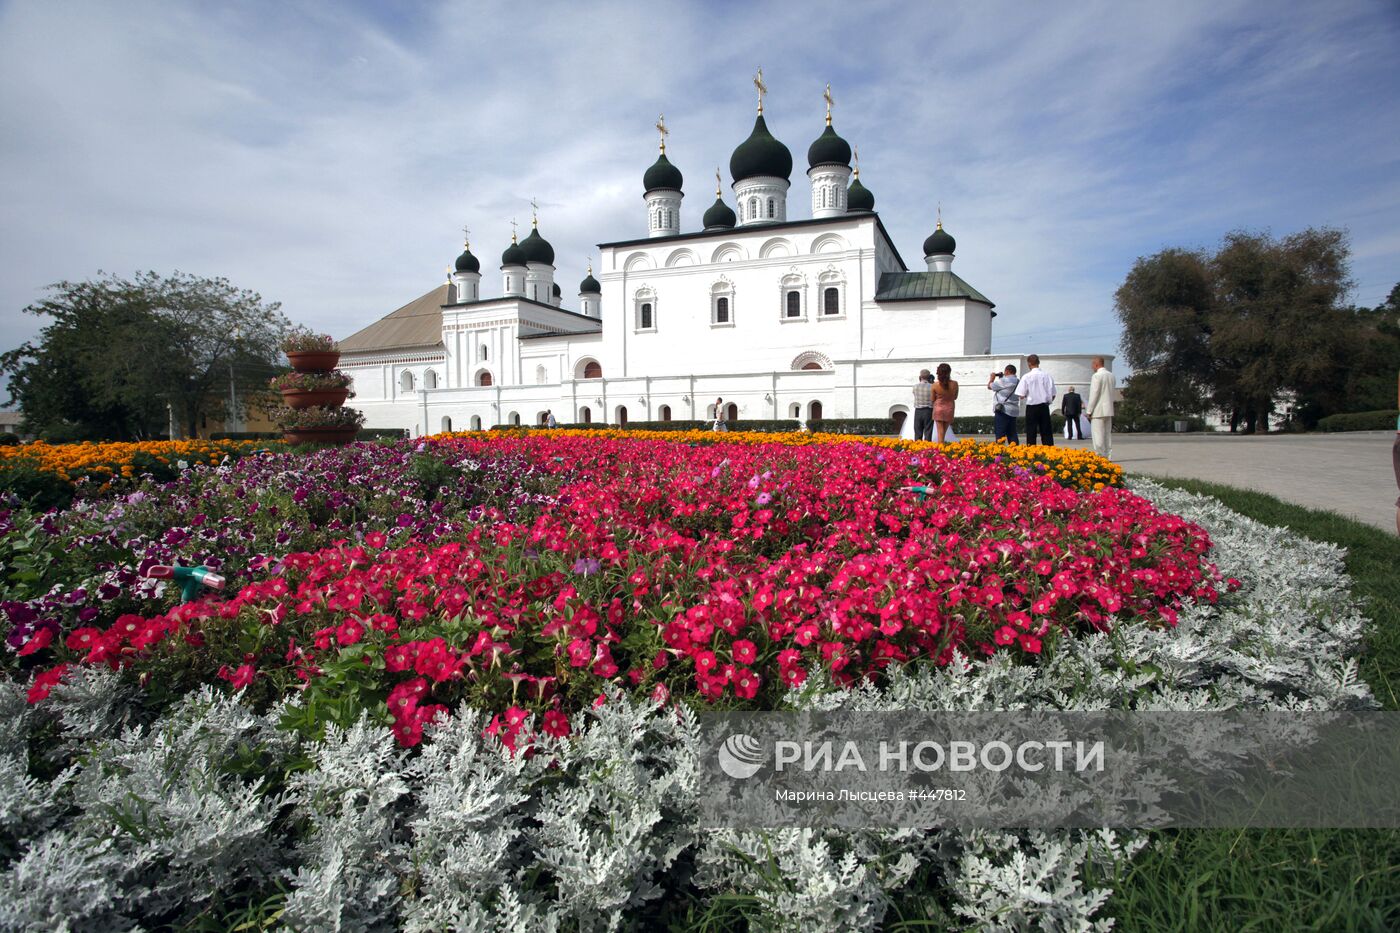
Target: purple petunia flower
587	566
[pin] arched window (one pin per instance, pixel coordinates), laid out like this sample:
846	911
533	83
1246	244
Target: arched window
446	424
753	208
515	418
812	365
814	411
644	322
541	375
622	416
770	209
831	300
897	419
794	304
732	412
795	410
430	380
665	413
586	414
485	354
541	418
476	422
722	303
406	381
483	378
594	369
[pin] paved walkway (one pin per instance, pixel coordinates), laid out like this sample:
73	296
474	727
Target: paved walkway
1349	473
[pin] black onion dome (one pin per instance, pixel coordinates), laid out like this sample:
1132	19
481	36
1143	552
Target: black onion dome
590	286
939	242
536	248
513	256
467	262
829	149
859	198
719	216
760	154
557	291
662	174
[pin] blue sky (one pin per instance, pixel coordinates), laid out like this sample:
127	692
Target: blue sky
328	154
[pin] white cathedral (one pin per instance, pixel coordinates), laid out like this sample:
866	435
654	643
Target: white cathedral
787	318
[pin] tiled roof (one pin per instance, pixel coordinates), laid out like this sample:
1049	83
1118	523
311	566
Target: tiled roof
416	324
915	286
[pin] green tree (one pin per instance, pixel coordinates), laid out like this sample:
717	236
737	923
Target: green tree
1165	306
118	351
1238	330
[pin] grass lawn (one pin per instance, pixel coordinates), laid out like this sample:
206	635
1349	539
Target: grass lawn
1285	879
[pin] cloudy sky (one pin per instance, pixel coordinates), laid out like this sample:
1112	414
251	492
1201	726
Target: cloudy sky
327	154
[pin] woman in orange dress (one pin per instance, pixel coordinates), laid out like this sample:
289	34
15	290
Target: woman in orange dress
945	393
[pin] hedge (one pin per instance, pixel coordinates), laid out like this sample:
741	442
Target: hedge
879	427
1157	424
1383	420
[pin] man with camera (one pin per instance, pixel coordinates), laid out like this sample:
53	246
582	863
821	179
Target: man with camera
1006	407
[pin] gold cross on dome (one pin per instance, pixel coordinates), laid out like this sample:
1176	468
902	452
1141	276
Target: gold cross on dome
719	184
826	95
856	151
762	88
661	128
466	236
534	213
512	229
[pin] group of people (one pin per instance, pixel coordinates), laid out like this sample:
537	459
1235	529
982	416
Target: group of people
935	396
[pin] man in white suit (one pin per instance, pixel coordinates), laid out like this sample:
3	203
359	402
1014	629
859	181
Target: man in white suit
1100	409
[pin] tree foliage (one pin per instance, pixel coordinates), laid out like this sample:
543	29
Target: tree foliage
1255	322
118	351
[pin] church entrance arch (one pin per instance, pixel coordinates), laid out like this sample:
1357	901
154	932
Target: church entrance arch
814	411
898	415
585	415
731	413
621	416
476	422
446	424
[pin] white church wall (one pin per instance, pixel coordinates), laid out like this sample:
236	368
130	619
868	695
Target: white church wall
754	269
917	329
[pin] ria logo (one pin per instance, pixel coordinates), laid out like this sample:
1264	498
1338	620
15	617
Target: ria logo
741	756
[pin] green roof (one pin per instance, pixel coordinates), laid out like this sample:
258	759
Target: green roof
915	286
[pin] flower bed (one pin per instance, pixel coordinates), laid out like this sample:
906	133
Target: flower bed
104	463
1073	466
726	571
216	813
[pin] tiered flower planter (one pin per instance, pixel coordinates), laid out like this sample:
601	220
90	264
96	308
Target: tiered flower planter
319	435
307	398
321	363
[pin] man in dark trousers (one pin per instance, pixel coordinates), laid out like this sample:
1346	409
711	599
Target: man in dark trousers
1037	387
1072	406
923	406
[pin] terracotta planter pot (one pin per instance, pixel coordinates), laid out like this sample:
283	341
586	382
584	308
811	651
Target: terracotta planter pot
320	435
305	398
314	361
